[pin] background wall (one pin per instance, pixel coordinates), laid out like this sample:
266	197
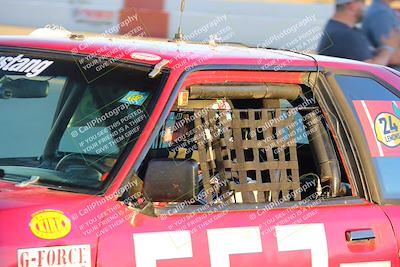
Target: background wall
248	21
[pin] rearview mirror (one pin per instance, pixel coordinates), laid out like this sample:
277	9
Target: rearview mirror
23	88
168	180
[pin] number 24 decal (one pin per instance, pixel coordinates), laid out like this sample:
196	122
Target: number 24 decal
150	247
388	125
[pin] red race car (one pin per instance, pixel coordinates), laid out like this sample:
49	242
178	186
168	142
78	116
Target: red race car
129	152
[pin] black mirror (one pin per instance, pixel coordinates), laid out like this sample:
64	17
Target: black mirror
168	180
23	88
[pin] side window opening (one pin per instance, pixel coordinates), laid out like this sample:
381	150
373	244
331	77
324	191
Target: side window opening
249	149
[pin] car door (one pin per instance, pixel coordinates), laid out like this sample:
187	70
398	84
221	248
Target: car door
309	236
375	101
313	231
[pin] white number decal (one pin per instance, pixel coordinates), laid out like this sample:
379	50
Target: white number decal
150	247
304	236
368	264
226	241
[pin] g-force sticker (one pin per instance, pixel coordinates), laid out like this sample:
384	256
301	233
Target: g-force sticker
32	67
50	224
61	256
381	125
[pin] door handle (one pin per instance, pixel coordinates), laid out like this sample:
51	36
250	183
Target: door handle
360	235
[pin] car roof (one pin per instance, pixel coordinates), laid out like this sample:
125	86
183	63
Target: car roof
180	54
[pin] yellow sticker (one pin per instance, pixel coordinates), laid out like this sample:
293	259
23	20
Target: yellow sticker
387	129
134	98
50	224
183	99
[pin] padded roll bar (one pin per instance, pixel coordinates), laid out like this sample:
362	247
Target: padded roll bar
324	152
245	91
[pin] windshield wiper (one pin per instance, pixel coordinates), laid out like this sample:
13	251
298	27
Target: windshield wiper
33	180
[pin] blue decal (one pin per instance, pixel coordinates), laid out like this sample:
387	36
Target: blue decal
136	98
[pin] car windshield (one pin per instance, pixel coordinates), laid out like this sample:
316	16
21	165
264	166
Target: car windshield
66	130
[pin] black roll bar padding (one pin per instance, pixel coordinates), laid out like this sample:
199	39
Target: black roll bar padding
61	122
245	91
324	152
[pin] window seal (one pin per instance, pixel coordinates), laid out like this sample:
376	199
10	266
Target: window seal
189	209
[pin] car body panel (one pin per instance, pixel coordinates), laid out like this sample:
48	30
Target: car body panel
393	213
339	251
17	209
121	241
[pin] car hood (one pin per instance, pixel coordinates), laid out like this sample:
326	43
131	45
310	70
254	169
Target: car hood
13	197
38	217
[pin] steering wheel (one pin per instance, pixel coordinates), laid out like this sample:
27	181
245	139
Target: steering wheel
78	159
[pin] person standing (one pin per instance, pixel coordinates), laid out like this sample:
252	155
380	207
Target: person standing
380	20
342	39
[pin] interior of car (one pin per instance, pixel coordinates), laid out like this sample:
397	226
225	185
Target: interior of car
244	143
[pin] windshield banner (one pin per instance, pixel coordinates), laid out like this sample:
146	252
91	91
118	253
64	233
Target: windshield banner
32	67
